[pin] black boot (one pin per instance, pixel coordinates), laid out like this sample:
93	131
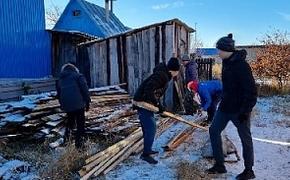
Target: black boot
246	174
153	152
217	169
148	159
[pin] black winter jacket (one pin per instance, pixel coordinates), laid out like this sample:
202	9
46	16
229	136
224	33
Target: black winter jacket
72	90
152	88
239	90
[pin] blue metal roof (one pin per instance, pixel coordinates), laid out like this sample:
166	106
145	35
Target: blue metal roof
92	20
207	51
25	46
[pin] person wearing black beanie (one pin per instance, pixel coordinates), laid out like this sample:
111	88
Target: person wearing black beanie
226	43
150	91
239	96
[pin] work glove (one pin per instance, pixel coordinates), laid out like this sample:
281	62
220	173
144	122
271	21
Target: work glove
244	117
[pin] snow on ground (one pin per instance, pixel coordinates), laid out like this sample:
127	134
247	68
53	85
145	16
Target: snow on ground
15	169
28	102
270	121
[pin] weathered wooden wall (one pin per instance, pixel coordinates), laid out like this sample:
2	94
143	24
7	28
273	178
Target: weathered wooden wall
131	57
64	49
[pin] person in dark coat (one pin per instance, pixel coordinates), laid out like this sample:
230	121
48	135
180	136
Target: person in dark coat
74	98
239	96
150	91
190	69
210	95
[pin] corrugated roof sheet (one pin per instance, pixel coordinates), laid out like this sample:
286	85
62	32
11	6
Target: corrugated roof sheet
97	15
207	51
25	46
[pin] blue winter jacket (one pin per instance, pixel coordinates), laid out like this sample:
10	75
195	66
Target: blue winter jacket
207	90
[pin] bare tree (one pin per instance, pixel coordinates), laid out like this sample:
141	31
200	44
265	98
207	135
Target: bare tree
52	14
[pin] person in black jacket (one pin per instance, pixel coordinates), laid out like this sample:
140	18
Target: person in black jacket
74	98
239	96
150	91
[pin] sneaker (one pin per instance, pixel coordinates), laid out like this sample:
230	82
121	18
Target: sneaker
148	159
217	169
246	174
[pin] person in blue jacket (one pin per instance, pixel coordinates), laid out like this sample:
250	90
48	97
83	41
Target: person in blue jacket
210	95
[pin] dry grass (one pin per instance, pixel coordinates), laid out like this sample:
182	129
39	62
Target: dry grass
190	171
36	154
267	90
61	163
66	165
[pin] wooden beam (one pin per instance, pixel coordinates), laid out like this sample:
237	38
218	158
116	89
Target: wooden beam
152	108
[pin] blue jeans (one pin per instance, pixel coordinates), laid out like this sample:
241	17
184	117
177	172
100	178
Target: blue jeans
148	125
219	123
213	106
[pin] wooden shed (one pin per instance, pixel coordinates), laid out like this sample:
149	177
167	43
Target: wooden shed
64	47
130	57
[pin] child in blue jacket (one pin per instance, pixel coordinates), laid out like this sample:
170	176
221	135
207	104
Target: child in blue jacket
210	94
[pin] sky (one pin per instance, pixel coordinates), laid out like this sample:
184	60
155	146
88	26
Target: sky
248	20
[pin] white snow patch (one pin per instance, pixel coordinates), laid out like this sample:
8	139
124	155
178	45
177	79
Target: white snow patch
27	102
16	118
272	161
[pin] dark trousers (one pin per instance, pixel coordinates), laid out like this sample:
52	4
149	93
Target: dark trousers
219	123
213	106
76	118
148	125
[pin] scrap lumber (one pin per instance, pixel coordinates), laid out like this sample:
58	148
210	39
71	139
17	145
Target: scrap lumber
98	160
138	146
108	88
56	143
179	139
182	136
127	111
152	108
106	160
122	158
46	118
116	146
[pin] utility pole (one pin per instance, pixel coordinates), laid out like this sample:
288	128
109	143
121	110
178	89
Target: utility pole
195	35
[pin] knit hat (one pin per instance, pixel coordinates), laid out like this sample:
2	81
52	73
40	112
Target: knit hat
226	43
173	64
193	85
185	57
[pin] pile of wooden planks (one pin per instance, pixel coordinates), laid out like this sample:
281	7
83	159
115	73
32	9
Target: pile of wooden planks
106	160
42	118
10	89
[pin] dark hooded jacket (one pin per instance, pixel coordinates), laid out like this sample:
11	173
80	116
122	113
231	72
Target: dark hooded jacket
239	91
191	72
152	88
72	89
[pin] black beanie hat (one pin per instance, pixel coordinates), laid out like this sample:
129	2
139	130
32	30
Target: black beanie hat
173	64
226	43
